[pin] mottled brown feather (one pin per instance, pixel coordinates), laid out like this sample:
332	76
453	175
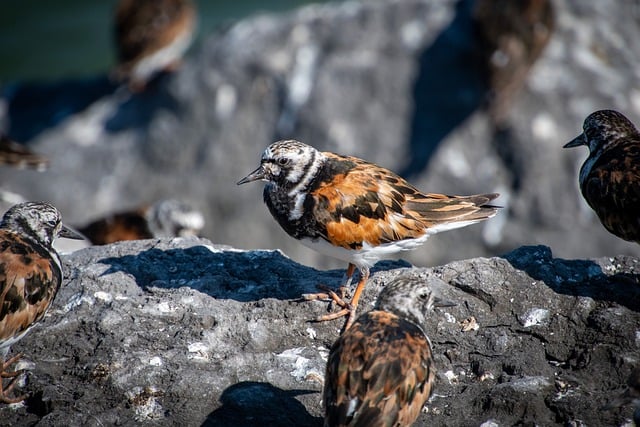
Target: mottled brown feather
29	281
385	362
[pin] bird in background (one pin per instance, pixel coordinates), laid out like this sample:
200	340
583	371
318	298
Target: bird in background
610	177
354	210
19	156
151	36
164	218
380	372
511	37
31	274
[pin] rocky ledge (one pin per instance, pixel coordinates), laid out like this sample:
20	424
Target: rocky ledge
185	332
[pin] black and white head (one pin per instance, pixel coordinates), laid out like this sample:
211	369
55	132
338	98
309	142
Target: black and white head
173	218
286	164
602	129
37	221
410	298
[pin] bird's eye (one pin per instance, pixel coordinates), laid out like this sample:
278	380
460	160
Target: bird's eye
423	295
283	161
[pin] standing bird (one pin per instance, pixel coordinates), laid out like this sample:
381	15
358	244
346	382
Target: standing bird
380	372
30	276
354	210
151	36
511	37
610	177
165	218
19	156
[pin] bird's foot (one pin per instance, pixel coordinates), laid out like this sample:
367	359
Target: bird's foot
14	376
346	308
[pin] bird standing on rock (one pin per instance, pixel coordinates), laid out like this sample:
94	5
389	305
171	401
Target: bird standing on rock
610	177
354	210
380	372
30	276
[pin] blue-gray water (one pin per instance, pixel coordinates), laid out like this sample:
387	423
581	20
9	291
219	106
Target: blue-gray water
45	40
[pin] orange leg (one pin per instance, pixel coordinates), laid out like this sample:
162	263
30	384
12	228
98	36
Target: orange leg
14	377
348	308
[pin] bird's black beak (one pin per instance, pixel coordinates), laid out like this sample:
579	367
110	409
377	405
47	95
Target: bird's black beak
69	233
576	142
253	176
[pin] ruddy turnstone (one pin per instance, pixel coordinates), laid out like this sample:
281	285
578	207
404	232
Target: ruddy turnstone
353	210
512	35
31	276
610	177
165	218
17	155
151	36
380	372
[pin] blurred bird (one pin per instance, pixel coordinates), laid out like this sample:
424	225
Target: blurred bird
165	218
380	372
511	36
31	276
19	156
353	210
610	177
151	36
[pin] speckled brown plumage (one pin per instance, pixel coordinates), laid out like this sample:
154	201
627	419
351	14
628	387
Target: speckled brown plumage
354	210
610	177
30	276
380	372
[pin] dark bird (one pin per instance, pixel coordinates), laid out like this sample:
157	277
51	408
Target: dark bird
380	372
354	210
30	276
165	218
610	177
19	156
151	36
511	36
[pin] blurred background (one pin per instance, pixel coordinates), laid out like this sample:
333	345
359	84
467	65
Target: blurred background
52	40
458	96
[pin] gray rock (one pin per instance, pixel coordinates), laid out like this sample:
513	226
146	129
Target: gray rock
362	78
185	332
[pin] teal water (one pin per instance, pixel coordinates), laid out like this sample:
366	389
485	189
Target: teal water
46	40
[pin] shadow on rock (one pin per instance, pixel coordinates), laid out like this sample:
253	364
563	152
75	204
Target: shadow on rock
251	403
449	87
237	275
583	278
138	109
35	107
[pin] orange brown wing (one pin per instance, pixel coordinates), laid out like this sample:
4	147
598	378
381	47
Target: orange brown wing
380	372
359	202
29	281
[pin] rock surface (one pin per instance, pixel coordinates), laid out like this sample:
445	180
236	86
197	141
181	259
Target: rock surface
372	79
185	332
